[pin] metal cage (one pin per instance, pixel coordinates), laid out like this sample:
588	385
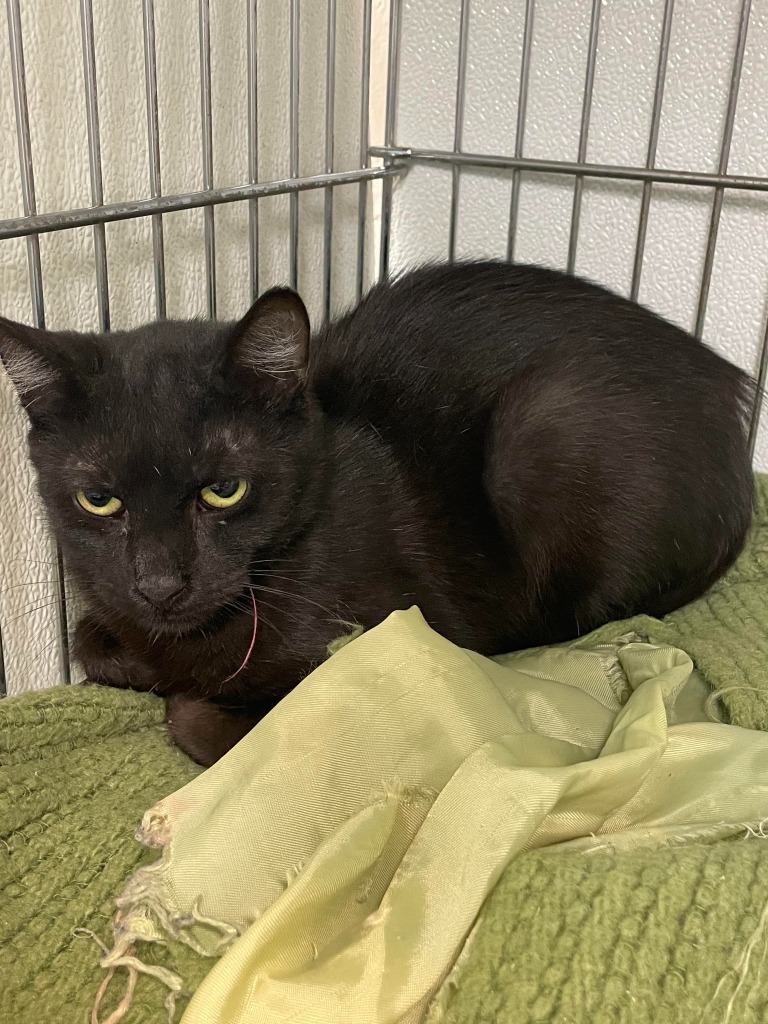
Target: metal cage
388	161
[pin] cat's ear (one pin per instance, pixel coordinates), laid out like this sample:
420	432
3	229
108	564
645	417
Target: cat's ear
271	342
34	366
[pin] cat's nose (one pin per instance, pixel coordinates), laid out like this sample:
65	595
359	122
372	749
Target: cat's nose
161	590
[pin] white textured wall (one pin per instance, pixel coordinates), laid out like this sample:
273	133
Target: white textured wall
53	52
702	45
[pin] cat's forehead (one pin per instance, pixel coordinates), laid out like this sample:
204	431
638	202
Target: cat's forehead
171	356
153	409
160	451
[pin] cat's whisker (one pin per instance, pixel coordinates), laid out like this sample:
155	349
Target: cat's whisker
32	561
282	563
32	609
241	604
300	577
236	606
31	583
87	629
292	617
298	597
270	625
36	658
154	636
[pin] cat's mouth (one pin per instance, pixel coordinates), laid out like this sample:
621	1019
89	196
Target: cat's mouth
188	615
169	622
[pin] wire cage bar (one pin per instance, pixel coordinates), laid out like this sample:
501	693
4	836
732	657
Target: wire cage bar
586	113
722	167
330	110
522	111
94	160
294	139
393	68
206	120
388	159
253	143
653	142
363	158
153	144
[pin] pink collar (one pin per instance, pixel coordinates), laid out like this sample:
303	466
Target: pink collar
253	639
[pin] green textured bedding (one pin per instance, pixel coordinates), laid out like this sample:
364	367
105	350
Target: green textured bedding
672	934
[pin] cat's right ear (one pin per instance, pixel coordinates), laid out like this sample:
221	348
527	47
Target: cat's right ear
35	369
270	345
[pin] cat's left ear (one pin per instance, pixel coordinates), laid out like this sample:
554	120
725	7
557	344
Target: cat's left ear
35	365
271	342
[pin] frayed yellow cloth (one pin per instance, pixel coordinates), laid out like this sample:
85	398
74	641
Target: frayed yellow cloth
343	850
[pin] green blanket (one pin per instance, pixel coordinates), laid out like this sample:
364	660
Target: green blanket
672	934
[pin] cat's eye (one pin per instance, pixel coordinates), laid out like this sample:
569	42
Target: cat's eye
224	493
98	503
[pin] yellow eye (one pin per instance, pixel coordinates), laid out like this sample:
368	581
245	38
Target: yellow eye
225	493
98	504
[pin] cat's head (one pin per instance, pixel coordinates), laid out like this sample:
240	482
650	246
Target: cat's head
171	458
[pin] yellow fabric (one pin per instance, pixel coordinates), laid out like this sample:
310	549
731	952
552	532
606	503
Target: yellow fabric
353	836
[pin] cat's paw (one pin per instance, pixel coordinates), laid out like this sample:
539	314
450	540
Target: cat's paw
205	731
127	674
106	663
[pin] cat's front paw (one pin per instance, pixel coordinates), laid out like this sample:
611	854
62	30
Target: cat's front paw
106	663
205	731
128	675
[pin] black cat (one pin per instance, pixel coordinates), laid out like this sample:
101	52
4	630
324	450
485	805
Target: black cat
521	454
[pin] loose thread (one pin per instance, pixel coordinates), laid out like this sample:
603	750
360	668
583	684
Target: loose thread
741	970
716	698
125	1003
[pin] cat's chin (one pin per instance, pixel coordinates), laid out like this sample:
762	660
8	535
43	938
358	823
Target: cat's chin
168	623
157	627
172	627
180	623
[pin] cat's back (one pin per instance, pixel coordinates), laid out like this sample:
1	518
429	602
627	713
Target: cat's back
439	318
460	333
605	445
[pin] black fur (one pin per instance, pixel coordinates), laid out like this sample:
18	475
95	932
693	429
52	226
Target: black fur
521	454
